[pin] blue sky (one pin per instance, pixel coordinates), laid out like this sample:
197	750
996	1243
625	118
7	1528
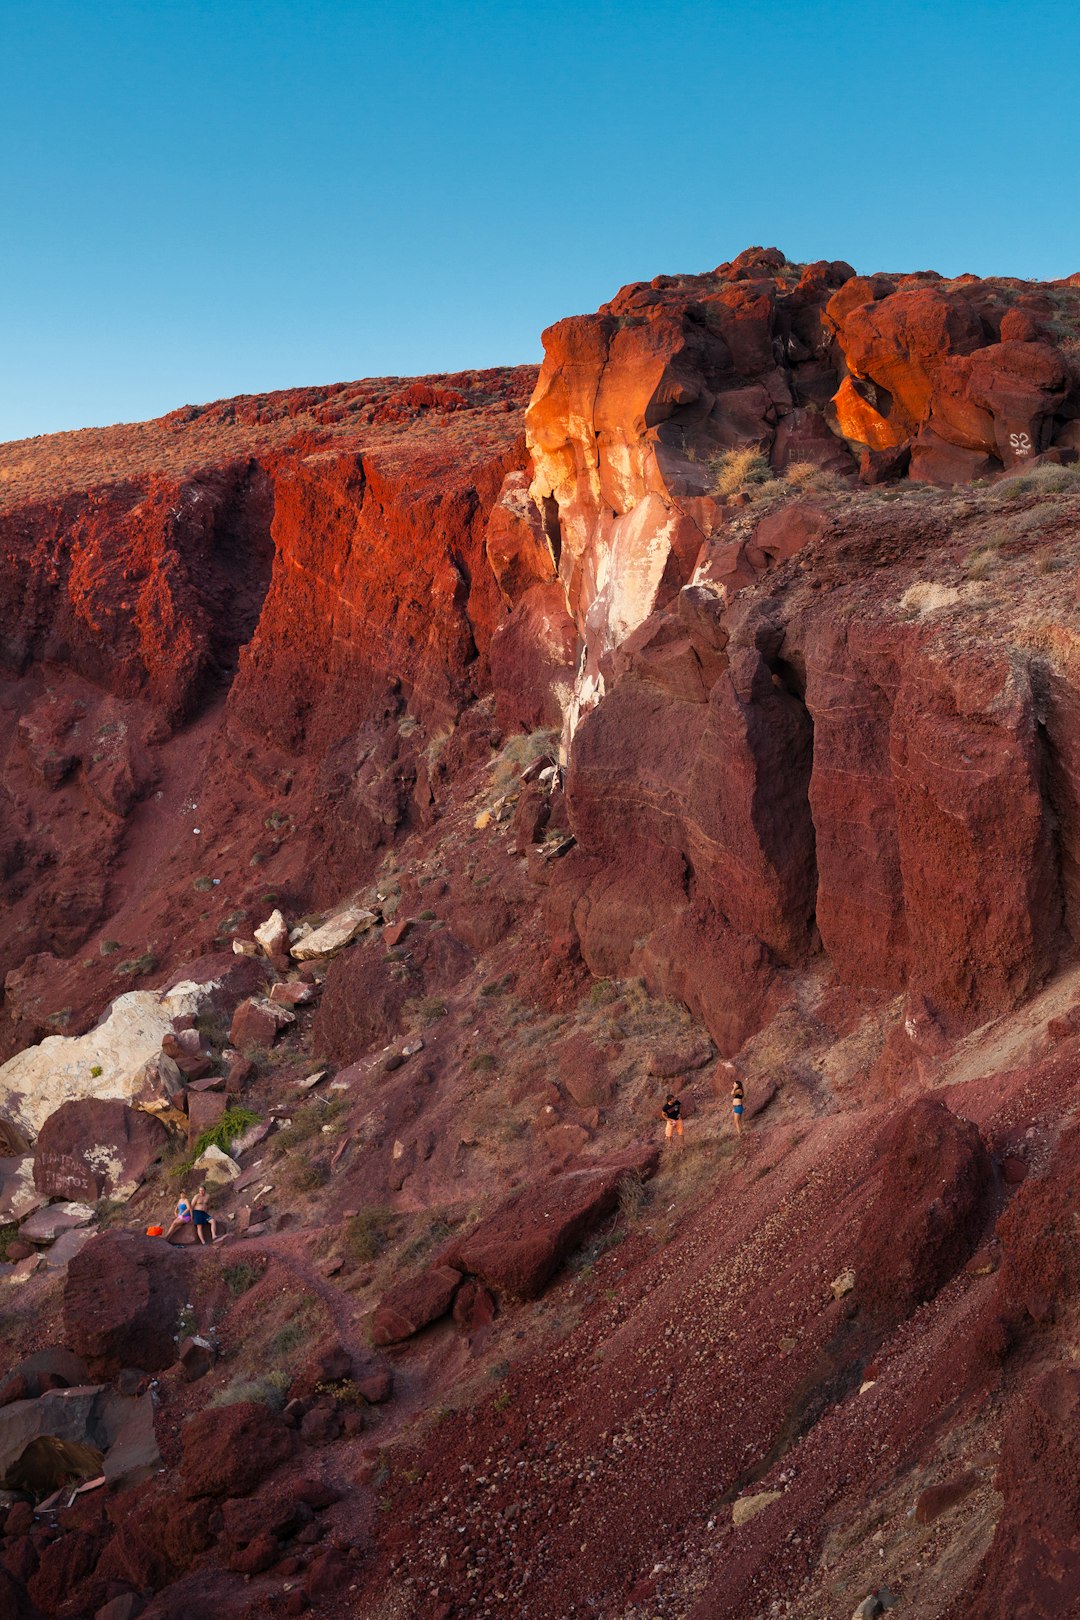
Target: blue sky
200	198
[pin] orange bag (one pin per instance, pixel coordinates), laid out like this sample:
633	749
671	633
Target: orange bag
155	1231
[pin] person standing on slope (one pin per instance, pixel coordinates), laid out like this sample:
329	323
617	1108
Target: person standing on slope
672	1112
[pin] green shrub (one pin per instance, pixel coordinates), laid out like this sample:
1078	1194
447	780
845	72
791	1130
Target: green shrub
96	1071
233	1123
483	1063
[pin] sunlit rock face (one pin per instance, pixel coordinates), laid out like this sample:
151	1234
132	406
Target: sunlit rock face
813	367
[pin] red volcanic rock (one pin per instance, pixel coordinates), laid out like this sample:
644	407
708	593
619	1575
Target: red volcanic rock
533	659
1033	1565
121	1298
976	853
516	1250
96	1148
516	545
411	1305
258	1023
936	1184
231	1450
583	1070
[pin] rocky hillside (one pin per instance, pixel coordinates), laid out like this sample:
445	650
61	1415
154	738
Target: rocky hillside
404	787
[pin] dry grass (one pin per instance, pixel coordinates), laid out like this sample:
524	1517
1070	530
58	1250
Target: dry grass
735	470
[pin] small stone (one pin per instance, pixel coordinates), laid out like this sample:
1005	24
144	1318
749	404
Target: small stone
843	1284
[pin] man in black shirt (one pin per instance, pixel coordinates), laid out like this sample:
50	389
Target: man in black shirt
672	1112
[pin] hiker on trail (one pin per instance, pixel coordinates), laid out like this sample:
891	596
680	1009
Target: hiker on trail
672	1112
202	1218
181	1217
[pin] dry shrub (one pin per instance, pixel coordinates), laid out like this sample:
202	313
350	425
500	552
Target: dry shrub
735	470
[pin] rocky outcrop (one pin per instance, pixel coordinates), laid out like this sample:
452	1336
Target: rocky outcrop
107	1062
516	1250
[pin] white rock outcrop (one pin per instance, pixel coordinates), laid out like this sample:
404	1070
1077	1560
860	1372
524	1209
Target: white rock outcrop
35	1082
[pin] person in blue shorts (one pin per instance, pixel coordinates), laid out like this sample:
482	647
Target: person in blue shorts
202	1220
737	1102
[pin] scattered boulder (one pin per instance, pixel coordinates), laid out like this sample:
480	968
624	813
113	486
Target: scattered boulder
122	1296
334	935
47	1224
230	1450
516	1250
258	1022
196	1358
413	1304
273	935
96	1148
216	1167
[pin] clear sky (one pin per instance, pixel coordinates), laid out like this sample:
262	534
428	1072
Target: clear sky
201	198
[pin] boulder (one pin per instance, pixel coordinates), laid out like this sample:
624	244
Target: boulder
84	1430
216	1167
196	1358
229	1450
258	1022
936	1184
44	1370
335	934
204	1110
96	1148
411	1305
273	935
294	994
47	1224
60	1068
122	1296
516	1250
584	1071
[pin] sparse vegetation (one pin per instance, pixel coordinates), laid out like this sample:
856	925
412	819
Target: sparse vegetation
735	470
136	966
368	1233
233	1123
240	1276
268	1390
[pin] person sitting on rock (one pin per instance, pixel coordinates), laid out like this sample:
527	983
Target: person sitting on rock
182	1216
672	1112
202	1218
